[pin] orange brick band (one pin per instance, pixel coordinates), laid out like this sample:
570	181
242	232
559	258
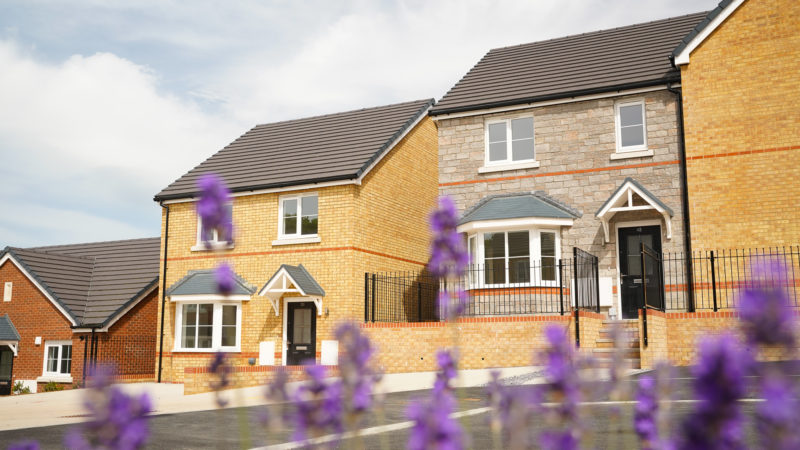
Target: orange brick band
564	172
253	369
744	152
305	250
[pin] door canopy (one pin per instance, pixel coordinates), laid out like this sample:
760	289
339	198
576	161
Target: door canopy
632	196
292	280
8	334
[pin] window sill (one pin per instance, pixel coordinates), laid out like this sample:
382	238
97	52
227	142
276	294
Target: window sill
628	155
511	166
302	240
207	350
54	378
211	246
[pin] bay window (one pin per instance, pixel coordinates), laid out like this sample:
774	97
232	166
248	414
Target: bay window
206	326
513	257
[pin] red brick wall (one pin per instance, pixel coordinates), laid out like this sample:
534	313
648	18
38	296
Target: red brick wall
33	315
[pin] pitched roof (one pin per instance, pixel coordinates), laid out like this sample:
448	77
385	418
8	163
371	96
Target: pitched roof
202	282
7	330
312	150
519	205
93	281
650	196
302	280
601	61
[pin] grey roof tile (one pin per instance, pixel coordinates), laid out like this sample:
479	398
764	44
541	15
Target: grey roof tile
311	150
94	281
7	330
518	205
202	282
601	61
302	279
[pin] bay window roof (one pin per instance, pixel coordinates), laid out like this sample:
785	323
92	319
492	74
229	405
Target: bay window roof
203	282
519	205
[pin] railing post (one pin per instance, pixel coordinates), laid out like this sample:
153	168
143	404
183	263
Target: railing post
644	277
713	281
419	301
597	284
561	285
644	324
577	328
366	297
374	284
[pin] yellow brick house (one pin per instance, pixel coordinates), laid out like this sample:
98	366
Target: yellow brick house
316	203
741	101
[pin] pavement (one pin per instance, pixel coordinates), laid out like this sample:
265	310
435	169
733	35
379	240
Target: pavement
66	407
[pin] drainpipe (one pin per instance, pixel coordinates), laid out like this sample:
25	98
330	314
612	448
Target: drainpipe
687	229
163	291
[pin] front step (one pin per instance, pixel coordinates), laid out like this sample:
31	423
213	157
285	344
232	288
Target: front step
629	345
609	343
602	353
632	363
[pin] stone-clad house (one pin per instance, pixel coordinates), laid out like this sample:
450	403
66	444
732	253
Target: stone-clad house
570	142
316	203
65	306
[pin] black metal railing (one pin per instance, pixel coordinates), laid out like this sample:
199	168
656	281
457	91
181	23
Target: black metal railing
718	275
520	287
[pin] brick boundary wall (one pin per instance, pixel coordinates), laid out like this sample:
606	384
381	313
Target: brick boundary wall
657	348
590	325
198	379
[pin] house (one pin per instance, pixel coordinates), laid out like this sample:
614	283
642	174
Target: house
567	143
741	101
67	306
316	203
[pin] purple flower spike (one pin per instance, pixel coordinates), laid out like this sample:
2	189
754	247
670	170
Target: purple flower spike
318	406
764	309
644	416
220	368
449	255
453	304
433	426
776	419
213	209
224	277
358	378
719	384
564	388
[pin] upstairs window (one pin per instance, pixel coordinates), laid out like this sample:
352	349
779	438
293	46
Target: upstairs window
509	141
631	126
214	239
298	216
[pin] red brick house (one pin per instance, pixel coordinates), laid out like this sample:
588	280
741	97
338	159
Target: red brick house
65	306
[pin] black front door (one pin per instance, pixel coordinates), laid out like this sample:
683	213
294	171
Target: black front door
630	265
6	366
301	333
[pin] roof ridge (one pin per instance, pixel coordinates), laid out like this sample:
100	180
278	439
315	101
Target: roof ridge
40	248
319	116
89	288
38	251
604	30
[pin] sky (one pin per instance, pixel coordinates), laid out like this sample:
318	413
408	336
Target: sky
104	103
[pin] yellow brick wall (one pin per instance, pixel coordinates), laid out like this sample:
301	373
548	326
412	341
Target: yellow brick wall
741	99
657	348
399	192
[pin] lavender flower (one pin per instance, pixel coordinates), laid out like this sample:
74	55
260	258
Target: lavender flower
219	368
453	304
275	392
776	418
449	255
433	426
318	406
224	277
764	309
357	376
716	422
645	413
119	421
511	413
564	388
213	209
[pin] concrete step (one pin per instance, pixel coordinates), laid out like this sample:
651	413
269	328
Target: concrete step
632	363
627	335
607	352
609	343
625	323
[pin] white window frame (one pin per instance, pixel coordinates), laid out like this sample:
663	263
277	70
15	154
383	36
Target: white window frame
535	255
7	287
296	238
57	376
508	163
214	243
216	329
618	126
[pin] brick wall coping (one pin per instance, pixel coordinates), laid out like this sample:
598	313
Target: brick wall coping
564	318
591	314
254	369
713	315
653	312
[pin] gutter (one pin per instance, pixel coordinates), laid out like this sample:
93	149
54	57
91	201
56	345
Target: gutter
687	229
163	293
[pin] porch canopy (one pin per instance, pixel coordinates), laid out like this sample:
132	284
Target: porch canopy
292	280
202	285
8	334
632	196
